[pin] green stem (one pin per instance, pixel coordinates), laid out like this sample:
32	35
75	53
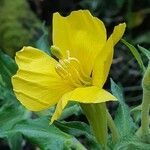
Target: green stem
145	112
112	127
97	117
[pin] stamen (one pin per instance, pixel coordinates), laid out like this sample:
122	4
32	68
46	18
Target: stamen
70	70
67	65
74	70
60	71
81	70
68	53
77	61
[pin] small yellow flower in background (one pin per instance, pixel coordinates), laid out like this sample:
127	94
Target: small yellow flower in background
84	58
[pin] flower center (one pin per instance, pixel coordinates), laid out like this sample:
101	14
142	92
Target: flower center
70	69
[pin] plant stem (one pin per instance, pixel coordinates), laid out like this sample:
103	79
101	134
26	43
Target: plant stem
112	127
145	112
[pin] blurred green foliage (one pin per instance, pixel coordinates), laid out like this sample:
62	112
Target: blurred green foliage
19	25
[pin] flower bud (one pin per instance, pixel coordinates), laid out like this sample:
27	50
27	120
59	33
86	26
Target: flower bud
146	79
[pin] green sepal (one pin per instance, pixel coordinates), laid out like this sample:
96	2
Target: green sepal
97	117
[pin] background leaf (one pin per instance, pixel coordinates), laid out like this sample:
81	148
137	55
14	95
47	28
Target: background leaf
135	54
42	135
71	109
42	43
10	115
131	143
15	141
80	130
8	67
123	120
145	51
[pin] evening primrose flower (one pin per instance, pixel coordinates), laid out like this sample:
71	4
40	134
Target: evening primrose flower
84	56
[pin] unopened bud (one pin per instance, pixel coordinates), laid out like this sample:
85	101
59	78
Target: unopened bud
146	79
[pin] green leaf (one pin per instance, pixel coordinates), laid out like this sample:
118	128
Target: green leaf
2	84
135	53
15	122
144	51
10	115
136	113
71	109
7	68
15	141
7	96
43	43
123	120
131	143
81	131
1	81
46	137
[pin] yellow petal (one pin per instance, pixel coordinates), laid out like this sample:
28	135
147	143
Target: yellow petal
102	64
104	58
81	34
91	94
36	84
118	32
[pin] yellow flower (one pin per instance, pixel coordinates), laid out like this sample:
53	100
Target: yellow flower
84	57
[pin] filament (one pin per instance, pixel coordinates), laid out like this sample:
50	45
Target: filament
70	69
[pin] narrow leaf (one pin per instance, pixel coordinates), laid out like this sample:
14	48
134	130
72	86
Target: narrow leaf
135	53
144	51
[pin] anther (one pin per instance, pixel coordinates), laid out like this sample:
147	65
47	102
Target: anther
70	69
56	52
